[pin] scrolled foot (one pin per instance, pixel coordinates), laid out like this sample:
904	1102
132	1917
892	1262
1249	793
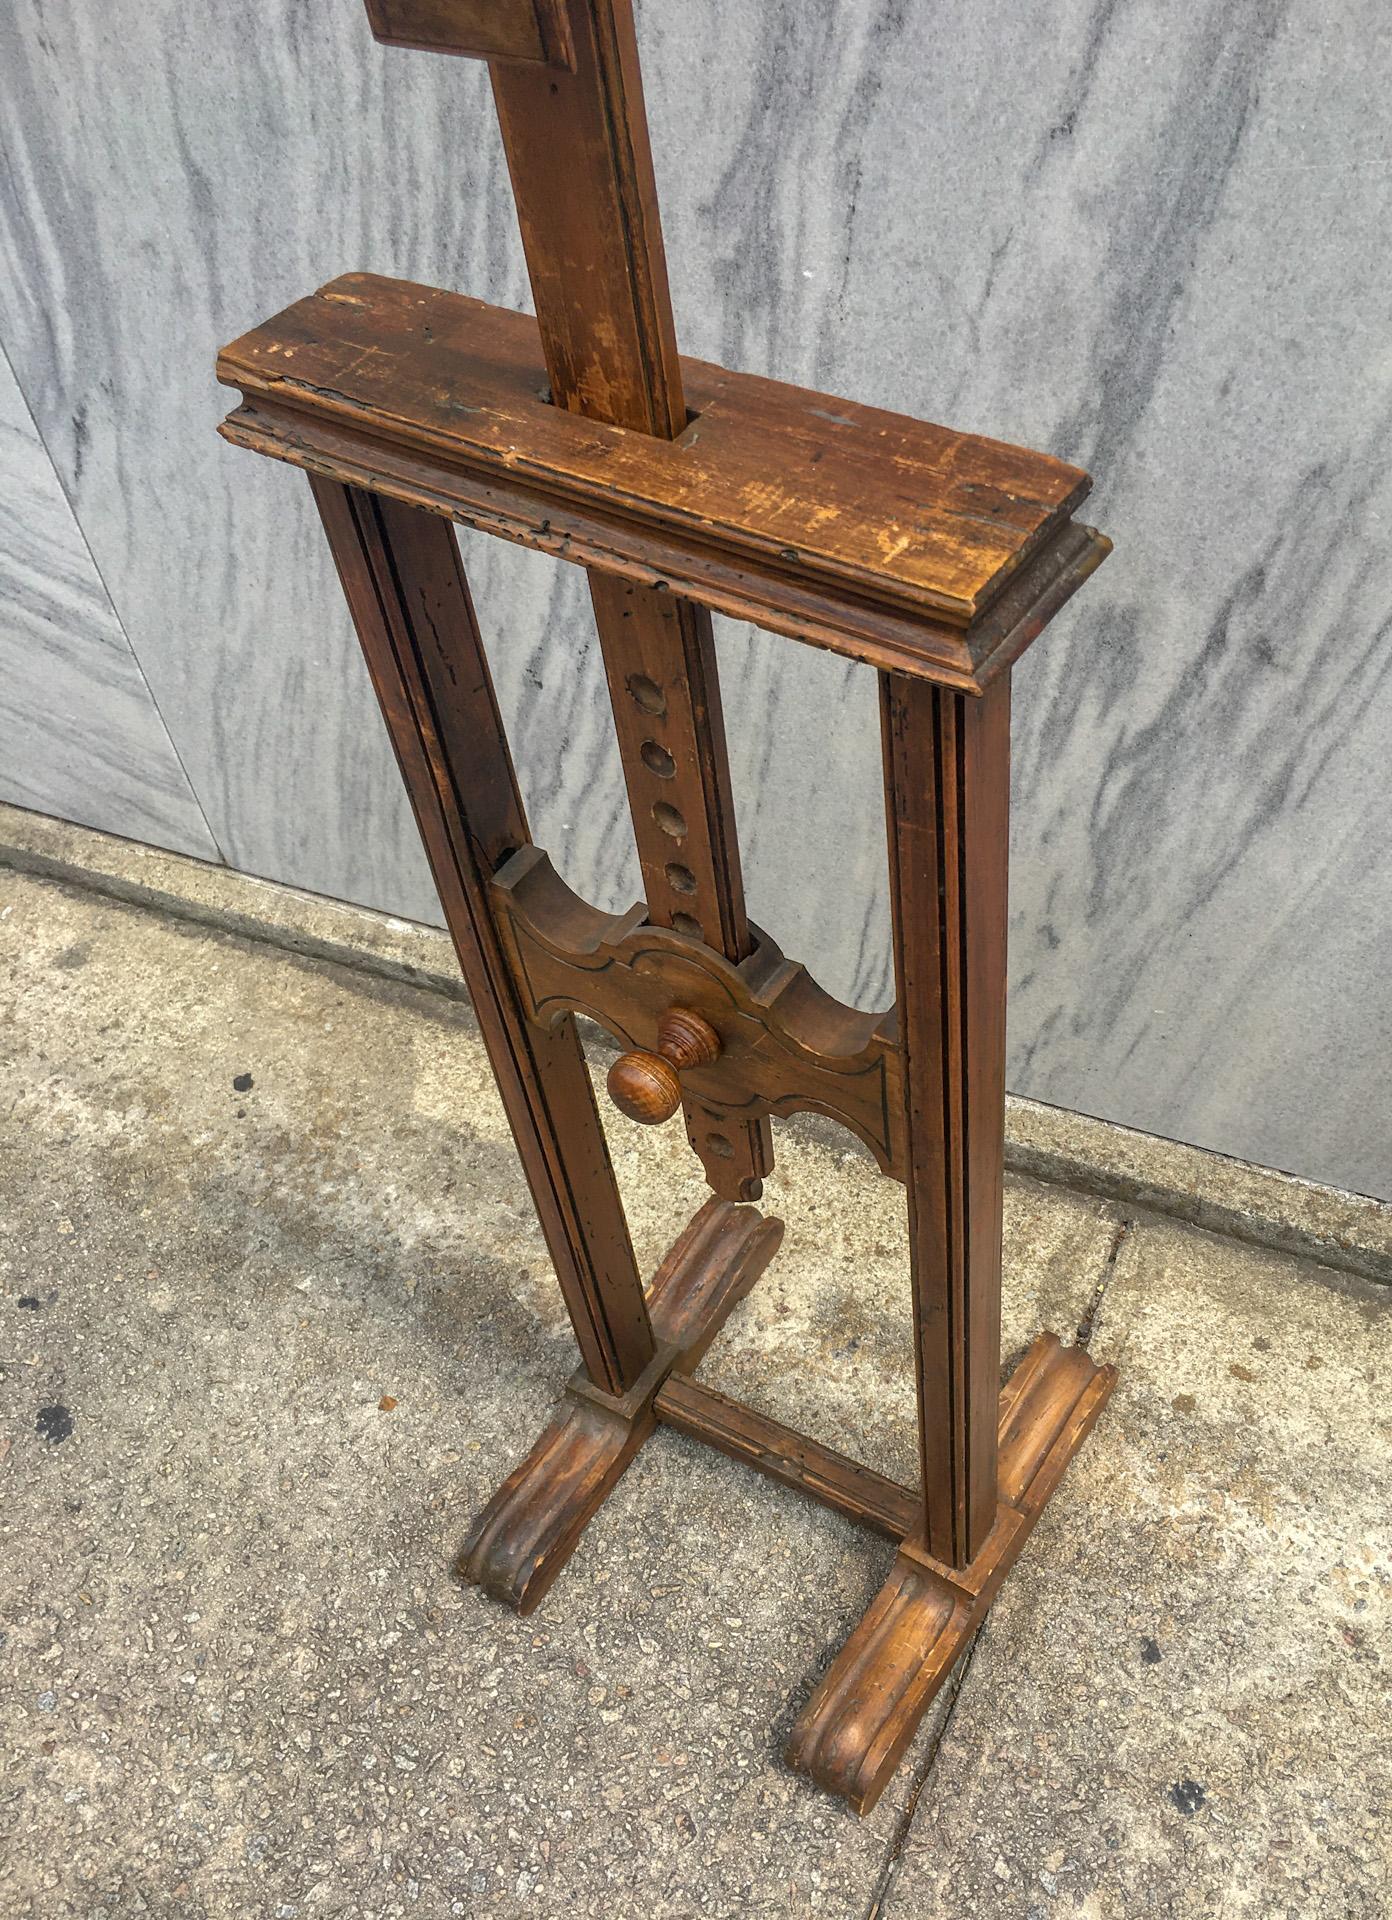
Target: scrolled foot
531	1526
853	1732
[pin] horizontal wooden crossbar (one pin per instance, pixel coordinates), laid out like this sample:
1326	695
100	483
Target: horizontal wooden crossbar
786	1046
894	541
787	1456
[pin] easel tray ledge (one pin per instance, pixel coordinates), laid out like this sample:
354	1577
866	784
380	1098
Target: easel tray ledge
891	541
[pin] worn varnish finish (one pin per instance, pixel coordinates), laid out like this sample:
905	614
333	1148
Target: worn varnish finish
935	556
793	1458
889	540
405	587
947	794
530	1527
581	169
785	1045
853	1732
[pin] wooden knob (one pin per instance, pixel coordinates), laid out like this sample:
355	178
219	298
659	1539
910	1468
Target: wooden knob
645	1085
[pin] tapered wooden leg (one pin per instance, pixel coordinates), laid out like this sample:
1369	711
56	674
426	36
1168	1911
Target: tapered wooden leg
947	785
405	585
530	1527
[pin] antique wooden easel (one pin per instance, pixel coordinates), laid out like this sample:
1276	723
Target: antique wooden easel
935	557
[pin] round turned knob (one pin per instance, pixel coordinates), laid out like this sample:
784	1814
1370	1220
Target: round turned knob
645	1085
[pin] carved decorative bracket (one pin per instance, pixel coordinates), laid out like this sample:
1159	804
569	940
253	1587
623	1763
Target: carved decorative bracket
785	1044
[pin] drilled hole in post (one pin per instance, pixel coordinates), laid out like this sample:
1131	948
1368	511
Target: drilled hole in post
722	1148
657	760
670	820
687	923
646	693
680	879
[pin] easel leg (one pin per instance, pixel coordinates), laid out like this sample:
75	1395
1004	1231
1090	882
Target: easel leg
947	788
989	1460
405	585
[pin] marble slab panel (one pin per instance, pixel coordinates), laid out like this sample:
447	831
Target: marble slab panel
1158	253
80	735
1151	245
173	177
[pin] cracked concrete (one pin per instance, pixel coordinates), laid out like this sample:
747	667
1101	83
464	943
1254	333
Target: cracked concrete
278	1318
1204	1726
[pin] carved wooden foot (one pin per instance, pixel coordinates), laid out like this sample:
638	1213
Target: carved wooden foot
853	1732
530	1527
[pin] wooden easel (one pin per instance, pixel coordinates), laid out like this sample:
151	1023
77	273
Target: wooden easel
935	557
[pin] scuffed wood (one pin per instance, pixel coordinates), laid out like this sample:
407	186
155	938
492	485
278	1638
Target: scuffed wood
890	540
531	1526
933	555
785	1044
404	582
581	167
947	799
855	1729
793	1459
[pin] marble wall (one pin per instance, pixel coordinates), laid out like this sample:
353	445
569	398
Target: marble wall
1146	240
80	734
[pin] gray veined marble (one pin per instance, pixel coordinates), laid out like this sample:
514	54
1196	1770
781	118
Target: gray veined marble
1149	240
80	735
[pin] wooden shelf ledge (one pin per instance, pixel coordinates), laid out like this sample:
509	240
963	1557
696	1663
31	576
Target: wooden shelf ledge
890	540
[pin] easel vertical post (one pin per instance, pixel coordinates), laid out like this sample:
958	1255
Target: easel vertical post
581	166
405	586
947	788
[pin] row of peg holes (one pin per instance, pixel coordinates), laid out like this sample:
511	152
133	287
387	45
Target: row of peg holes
649	698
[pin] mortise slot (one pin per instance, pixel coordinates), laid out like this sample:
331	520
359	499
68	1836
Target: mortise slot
671	821
683	439
657	760
680	879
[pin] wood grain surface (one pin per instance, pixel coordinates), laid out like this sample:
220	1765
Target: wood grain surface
868	515
526	30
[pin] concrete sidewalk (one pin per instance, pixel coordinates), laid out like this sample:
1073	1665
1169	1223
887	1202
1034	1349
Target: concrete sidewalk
278	1319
